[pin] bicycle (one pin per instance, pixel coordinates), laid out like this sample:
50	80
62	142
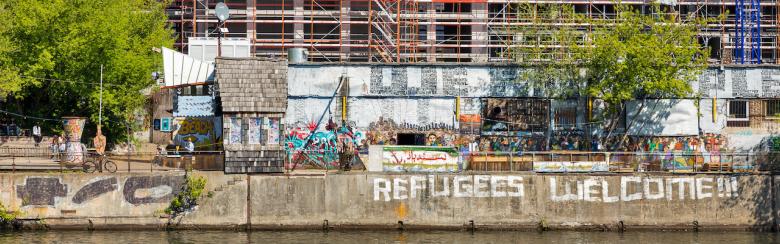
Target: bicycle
100	163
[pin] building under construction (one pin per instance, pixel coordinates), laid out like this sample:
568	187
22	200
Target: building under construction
450	30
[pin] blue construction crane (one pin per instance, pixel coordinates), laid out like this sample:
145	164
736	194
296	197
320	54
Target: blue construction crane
747	40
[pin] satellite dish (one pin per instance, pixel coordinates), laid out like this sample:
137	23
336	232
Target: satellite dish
222	12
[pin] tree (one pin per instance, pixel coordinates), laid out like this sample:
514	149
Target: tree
634	56
51	53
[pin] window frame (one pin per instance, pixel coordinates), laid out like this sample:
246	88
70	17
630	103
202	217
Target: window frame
729	116
766	103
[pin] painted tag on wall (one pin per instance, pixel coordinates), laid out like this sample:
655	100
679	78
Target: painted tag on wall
578	166
419	159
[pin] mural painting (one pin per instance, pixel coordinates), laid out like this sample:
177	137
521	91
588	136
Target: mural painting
576	166
323	146
419	159
201	130
684	153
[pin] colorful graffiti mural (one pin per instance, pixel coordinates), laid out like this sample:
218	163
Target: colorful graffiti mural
562	167
419	159
323	146
201	130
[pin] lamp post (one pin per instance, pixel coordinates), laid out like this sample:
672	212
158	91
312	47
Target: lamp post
223	13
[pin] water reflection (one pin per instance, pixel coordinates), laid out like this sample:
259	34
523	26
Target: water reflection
368	237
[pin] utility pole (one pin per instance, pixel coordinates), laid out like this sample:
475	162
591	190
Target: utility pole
100	111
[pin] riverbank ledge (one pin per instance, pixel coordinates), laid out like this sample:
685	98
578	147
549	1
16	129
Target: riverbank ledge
361	200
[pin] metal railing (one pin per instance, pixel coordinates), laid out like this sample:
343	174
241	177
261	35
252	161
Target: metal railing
43	159
673	162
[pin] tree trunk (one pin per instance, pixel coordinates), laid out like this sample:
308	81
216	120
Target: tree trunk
612	125
628	126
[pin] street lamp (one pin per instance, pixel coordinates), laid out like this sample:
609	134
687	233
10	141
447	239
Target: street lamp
223	13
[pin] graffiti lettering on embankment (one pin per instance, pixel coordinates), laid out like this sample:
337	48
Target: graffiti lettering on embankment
136	190
587	189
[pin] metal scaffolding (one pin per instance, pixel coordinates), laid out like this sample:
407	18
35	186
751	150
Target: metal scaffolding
451	30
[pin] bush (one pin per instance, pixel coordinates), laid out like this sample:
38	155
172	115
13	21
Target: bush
187	198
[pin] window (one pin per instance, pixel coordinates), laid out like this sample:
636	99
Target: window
255	130
566	117
772	108
273	131
738	114
738	110
235	131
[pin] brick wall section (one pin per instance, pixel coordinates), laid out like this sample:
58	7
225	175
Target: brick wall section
251	87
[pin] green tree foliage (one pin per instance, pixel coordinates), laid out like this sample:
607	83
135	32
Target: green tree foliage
68	40
633	56
548	44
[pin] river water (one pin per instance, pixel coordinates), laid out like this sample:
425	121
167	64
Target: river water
367	237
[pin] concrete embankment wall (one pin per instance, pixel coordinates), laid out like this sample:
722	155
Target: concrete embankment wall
382	200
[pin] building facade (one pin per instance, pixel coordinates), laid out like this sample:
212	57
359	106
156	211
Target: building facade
450	31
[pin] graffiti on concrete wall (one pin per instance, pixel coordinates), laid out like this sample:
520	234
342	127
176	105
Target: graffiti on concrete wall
419	159
588	189
95	189
433	186
151	189
633	188
136	190
41	191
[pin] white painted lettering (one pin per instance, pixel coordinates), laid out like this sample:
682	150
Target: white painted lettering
445	192
381	186
624	181
416	183
515	182
496	184
701	188
605	193
567	195
399	189
461	188
659	186
588	190
481	185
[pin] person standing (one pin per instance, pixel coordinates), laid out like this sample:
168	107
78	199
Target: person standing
99	142
36	131
55	145
100	147
189	145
